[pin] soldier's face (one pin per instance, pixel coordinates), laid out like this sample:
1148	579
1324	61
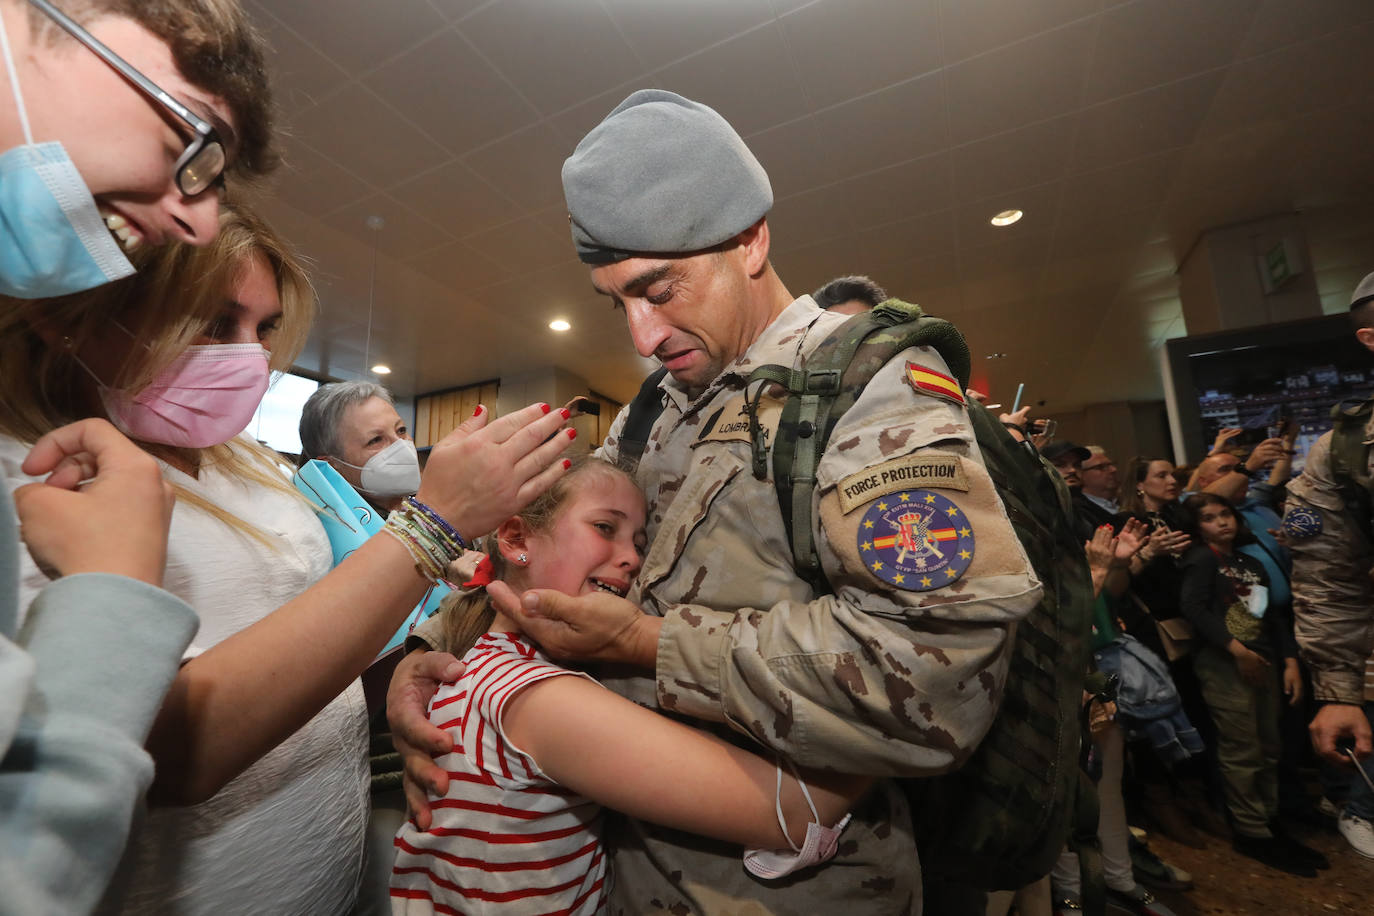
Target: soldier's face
692	313
596	541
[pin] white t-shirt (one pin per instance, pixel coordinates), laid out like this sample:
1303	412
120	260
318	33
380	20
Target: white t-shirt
287	835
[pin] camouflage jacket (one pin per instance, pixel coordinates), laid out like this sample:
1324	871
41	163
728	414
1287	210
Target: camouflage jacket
897	673
1333	593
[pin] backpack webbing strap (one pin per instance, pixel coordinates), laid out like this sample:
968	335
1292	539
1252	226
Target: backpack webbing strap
820	393
1349	462
644	410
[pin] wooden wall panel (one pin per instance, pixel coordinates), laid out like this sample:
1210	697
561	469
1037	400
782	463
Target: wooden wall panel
437	415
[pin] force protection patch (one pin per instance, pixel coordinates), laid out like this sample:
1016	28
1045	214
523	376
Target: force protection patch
928	380
942	471
917	540
1301	523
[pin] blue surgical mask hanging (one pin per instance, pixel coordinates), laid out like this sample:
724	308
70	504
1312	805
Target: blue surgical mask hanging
53	240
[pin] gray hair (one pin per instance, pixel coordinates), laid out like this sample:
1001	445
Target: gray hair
323	413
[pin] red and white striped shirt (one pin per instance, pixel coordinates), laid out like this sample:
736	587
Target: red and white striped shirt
505	839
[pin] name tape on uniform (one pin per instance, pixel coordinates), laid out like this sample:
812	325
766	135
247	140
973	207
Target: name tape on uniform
731	423
944	472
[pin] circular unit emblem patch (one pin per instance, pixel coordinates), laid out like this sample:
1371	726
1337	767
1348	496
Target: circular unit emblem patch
1301	523
917	540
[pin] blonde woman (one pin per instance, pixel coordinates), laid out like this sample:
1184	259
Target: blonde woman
263	732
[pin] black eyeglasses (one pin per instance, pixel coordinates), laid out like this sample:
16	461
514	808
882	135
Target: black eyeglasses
203	161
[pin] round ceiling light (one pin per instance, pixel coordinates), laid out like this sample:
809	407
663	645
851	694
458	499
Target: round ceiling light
382	369
1007	217
558	324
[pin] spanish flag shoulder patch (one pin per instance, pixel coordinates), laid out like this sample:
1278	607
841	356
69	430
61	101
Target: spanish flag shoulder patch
931	382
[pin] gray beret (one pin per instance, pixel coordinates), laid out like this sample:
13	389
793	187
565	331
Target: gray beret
1364	291
661	174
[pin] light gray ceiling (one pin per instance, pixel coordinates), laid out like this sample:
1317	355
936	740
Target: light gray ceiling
892	130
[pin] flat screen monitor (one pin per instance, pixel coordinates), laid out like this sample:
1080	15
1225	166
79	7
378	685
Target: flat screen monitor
1258	378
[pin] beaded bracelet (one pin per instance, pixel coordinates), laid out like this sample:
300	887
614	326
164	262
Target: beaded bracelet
432	542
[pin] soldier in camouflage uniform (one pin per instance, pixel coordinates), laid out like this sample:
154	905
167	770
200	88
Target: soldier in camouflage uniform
1333	598
895	674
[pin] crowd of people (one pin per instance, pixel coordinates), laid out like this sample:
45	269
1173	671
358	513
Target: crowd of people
632	698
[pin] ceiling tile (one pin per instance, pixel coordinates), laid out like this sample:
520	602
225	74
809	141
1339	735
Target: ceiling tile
1293	81
1144	44
1131	186
358	131
1282	22
557	53
972	27
314	183
992	94
662	32
445	86
1022	158
357	34
458	266
524	245
1143	124
846	49
300	75
456	9
454	196
527	167
403	234
837	143
758	59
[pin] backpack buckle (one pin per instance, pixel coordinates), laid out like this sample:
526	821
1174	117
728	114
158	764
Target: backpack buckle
820	381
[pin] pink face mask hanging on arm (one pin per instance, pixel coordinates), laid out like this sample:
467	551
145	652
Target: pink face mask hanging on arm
206	397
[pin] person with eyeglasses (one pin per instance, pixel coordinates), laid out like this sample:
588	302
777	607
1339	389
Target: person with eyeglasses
115	129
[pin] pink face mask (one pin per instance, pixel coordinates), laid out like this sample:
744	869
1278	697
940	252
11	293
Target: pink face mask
206	397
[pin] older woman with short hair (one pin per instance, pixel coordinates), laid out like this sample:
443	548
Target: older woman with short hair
355	427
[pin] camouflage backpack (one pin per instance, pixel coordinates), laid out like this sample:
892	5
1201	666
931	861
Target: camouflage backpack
1000	821
1350	461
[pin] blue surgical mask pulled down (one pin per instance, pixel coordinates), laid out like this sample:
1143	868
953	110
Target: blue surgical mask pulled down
53	240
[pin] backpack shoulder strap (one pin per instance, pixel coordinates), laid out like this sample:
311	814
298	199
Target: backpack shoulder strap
644	410
821	390
1350	461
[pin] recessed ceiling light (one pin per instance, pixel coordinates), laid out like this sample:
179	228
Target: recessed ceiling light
382	369
558	324
1007	217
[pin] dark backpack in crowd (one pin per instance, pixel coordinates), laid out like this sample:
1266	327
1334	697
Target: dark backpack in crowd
1000	821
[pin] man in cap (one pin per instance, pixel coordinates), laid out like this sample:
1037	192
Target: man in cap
1327	525
898	672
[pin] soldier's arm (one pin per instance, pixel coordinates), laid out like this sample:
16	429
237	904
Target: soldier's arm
1333	595
899	672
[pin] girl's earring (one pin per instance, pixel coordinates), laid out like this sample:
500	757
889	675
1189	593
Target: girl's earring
523	559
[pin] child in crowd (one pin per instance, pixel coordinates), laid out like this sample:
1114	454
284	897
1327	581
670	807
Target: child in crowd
1225	597
539	749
